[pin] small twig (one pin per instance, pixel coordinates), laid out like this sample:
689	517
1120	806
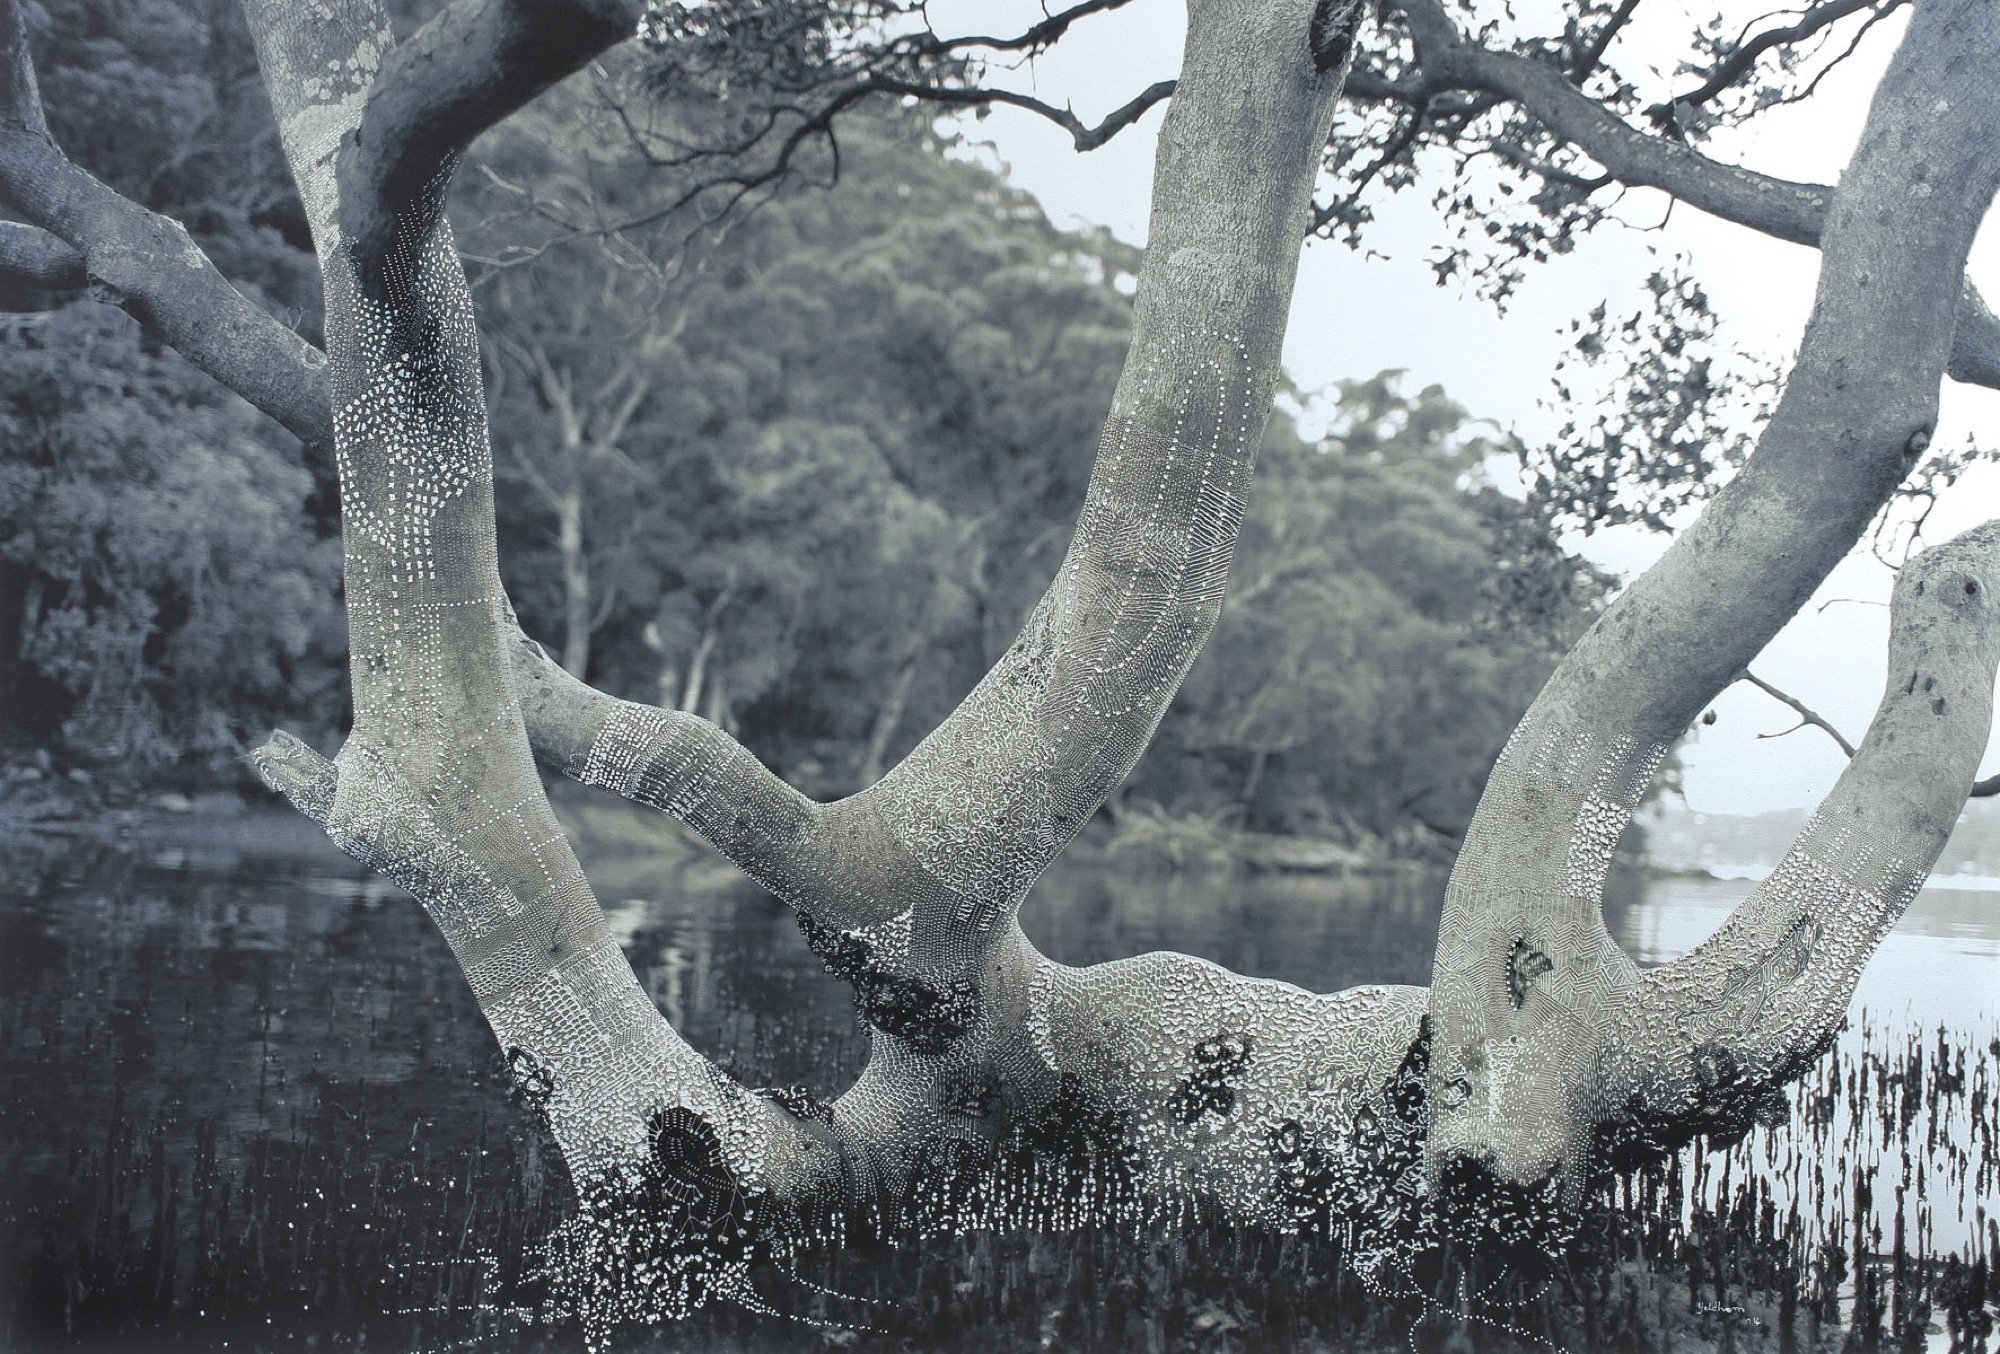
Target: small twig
1519	157
1035	39
1805	712
1405	137
1084	137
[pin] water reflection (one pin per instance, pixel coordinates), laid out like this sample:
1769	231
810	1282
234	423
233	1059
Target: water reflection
1940	963
247	1100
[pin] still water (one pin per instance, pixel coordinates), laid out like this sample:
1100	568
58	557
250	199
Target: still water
246	1102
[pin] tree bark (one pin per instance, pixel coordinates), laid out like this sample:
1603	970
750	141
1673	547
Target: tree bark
1527	980
1717	1031
435	786
910	889
38	259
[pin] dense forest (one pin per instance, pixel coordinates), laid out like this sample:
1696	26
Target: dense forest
801	475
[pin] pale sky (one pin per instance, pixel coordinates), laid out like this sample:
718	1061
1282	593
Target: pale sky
1353	316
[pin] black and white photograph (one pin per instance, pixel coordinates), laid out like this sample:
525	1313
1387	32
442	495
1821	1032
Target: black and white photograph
1177	676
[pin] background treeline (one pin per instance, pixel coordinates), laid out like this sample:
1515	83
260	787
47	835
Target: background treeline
801	472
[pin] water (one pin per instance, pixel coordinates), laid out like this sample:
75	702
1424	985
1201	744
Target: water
247	1103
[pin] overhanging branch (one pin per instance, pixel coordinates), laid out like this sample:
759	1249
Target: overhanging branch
465	70
1739	62
144	263
1794	212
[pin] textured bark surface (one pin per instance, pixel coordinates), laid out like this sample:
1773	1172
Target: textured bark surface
910	889
38	259
1528	986
1760	1000
435	785
1153	1084
469	67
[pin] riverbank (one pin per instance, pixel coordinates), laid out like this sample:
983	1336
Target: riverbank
39	805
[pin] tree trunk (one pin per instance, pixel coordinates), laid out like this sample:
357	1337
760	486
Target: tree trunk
577	620
910	889
435	786
886	721
1529	990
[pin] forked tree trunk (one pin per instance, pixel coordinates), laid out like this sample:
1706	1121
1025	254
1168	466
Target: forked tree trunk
435	785
909	890
1003	1087
1532	1001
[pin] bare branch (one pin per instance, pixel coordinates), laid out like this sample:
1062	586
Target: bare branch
1985	789
1085	138
1808	718
465	70
148	265
1739	62
1035	39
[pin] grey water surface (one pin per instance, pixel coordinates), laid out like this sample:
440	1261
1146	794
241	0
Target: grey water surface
246	1103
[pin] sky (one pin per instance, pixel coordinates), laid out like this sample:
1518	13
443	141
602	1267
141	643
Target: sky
1354	315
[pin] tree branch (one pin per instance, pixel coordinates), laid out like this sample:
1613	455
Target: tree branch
1592	52
148	265
1856	411
1742	1012
1039	36
1807	716
1794	212
1084	137
679	764
469	67
1739	62
32	257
